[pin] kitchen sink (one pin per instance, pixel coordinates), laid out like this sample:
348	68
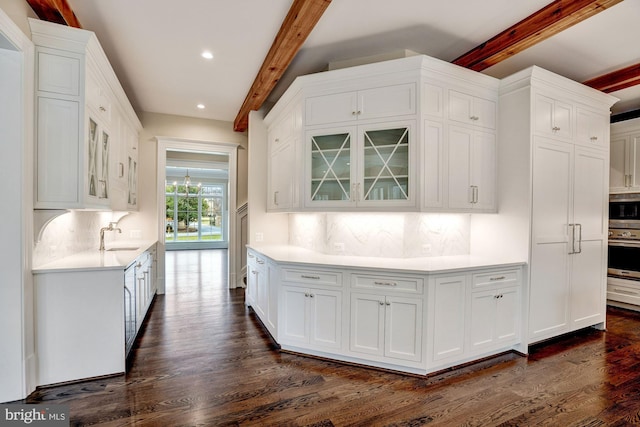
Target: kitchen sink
122	249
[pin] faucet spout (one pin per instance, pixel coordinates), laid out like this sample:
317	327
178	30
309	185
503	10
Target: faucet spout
109	228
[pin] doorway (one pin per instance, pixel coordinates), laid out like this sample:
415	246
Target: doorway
196	200
196	215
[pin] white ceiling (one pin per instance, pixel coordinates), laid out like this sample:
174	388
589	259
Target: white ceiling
155	45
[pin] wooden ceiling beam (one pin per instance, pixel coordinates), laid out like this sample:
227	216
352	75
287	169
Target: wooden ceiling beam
296	27
551	19
616	80
57	11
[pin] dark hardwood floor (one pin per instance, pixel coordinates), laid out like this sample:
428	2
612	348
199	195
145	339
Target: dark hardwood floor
203	360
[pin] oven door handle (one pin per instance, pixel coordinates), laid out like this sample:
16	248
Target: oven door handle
624	244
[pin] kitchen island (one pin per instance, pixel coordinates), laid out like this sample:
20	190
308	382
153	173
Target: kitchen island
88	309
415	315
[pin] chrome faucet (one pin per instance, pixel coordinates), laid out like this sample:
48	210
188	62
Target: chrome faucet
109	228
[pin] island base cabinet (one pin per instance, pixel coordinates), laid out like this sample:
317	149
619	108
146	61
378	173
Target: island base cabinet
388	327
311	318
79	325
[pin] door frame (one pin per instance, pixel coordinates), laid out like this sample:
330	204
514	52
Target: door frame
17	296
185	144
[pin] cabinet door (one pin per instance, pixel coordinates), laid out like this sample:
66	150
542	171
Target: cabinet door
387	101
132	177
281	176
551	235
494	318
386	172
329	169
272	315
459	170
553	117
262	293
469	109
590	213
433	100
293	325
57	153
325	318
403	328
633	156
591	128
449	317
334	108
618	165
367	324
433	165
483	171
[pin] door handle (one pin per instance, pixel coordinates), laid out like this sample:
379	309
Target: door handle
573	239
579	238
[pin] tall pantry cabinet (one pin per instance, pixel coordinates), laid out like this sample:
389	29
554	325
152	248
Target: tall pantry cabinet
554	174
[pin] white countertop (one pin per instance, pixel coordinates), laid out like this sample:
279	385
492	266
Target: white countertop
438	264
97	260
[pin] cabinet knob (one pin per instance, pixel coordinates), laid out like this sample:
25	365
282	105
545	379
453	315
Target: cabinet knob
102	109
594	138
555	128
388	303
474	118
353	113
306	295
381	302
311	295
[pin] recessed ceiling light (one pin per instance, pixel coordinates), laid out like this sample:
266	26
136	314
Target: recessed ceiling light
200	106
207	55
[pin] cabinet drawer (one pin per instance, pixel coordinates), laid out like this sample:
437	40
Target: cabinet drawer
254	259
495	278
388	283
312	277
621	293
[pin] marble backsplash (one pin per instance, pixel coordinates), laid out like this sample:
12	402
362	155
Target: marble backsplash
394	235
70	233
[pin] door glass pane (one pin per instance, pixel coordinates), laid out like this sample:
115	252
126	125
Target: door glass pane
386	164
212	212
93	158
331	167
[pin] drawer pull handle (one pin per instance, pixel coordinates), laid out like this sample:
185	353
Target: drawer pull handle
305	276
498	296
493	279
260	261
622	291
251	256
385	283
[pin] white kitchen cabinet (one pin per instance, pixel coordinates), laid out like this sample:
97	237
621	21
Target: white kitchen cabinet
472	169
78	99
556	188
433	175
353	167
386	326
569	238
495	318
592	128
553	117
624	172
447	311
283	166
311	317
472	110
364	104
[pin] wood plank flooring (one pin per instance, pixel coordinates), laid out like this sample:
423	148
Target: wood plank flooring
204	360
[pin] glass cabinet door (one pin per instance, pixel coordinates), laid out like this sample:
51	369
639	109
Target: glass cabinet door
331	166
385	164
93	158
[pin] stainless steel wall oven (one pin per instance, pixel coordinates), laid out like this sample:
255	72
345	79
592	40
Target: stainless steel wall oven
623	284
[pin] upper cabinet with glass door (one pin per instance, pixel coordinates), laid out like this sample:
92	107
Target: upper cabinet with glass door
80	109
369	165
